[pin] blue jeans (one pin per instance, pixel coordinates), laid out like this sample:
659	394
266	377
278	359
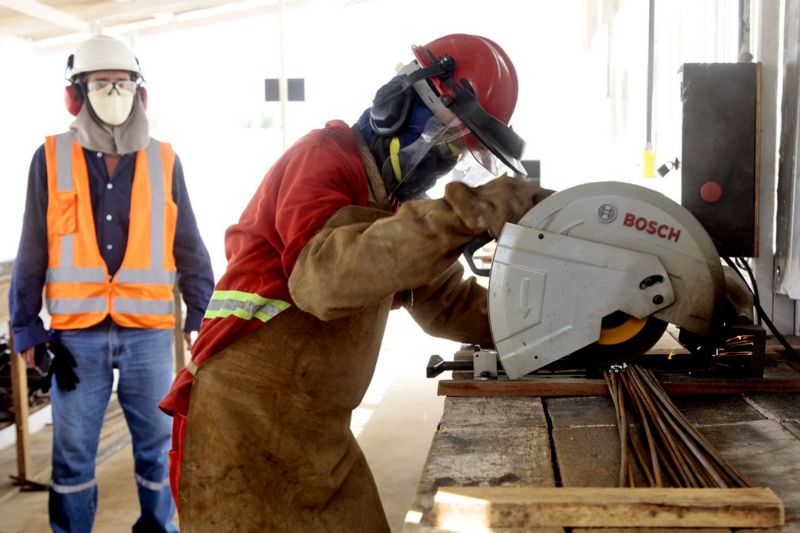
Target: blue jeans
144	359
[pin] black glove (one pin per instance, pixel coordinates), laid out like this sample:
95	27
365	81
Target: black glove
41	358
63	366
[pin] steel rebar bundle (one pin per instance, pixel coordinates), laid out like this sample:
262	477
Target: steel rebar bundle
657	440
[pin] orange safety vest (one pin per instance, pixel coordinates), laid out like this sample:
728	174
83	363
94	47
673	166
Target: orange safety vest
78	289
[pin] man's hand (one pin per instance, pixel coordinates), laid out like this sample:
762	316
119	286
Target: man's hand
37	357
187	339
30	356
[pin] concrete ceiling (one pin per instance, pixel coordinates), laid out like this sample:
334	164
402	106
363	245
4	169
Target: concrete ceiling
54	23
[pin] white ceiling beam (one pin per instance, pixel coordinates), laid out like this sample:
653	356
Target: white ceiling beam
188	19
98	17
108	13
147	20
44	12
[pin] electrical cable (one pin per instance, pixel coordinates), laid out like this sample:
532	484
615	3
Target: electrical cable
741	263
760	310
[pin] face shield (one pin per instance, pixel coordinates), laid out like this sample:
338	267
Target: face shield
460	140
492	144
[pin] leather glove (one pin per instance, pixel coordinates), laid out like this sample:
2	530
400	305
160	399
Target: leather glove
62	366
488	207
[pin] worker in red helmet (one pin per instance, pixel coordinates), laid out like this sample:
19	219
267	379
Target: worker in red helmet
339	233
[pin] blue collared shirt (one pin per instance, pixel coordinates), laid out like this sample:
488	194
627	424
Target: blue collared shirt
111	200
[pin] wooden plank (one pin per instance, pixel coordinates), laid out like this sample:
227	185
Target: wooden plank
778	406
487	457
550	388
484	442
588	456
710	411
19	391
656	530
544	388
793	428
19	380
728	387
586	439
467	508
764	452
5	283
486	413
581	411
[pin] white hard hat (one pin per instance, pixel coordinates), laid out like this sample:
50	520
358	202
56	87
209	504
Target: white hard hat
102	52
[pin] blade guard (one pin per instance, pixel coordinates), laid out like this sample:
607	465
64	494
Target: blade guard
548	294
588	251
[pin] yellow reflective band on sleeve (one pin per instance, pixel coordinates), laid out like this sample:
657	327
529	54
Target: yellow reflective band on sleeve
245	305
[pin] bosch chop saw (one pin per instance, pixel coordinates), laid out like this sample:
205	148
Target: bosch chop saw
597	272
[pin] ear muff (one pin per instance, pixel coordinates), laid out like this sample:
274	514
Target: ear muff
73	98
391	107
142	92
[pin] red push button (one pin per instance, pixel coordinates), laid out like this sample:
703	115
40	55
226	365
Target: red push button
711	192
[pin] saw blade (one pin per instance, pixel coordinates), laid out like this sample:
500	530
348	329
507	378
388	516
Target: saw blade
623	338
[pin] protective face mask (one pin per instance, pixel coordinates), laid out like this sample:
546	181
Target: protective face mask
112	108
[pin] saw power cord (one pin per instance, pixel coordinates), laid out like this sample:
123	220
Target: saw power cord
757	304
742	263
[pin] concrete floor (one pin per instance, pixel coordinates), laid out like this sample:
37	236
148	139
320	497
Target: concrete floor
394	426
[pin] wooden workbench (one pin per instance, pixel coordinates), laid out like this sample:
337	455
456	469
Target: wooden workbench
533	441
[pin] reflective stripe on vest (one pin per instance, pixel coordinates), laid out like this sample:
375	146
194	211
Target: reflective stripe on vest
66	272
69	273
140	295
245	305
156	273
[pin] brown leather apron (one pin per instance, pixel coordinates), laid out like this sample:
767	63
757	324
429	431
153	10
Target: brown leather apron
268	445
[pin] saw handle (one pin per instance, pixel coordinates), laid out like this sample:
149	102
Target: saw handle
469	250
437	365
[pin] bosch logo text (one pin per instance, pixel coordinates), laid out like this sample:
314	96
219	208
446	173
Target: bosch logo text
652	227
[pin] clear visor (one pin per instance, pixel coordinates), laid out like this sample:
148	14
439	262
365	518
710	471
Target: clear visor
444	141
446	145
444	152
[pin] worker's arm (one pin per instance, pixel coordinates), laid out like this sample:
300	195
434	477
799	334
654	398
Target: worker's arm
451	307
30	265
195	277
348	266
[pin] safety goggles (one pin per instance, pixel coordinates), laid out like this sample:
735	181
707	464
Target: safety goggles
103	85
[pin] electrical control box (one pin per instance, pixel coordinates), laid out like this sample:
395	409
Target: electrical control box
719	183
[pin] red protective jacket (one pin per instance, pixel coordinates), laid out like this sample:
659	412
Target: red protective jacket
318	175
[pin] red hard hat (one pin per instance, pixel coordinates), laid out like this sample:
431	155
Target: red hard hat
483	63
475	79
